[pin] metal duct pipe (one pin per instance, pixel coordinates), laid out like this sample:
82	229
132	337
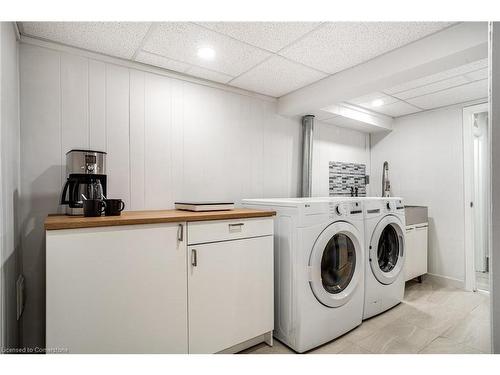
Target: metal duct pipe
307	155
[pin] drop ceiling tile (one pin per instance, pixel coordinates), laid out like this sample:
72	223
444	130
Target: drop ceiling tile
336	46
211	75
271	36
459	94
162	62
460	70
397	109
432	87
119	39
277	76
181	40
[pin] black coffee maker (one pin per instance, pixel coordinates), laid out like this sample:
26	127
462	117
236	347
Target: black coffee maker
86	179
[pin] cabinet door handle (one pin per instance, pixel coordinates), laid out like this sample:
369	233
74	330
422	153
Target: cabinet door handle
194	258
421	226
180	232
236	225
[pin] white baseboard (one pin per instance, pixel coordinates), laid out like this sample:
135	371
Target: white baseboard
265	337
445	280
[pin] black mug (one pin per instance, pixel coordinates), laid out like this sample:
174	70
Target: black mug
114	207
93	207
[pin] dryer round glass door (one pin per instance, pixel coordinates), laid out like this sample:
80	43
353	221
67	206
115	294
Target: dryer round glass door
335	264
387	250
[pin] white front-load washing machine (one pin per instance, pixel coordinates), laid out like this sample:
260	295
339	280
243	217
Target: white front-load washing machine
385	254
319	268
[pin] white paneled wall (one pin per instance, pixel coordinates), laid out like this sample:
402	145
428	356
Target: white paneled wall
166	139
137	132
117	132
97	105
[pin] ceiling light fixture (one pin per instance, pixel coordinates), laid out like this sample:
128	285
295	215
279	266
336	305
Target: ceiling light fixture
206	53
377	103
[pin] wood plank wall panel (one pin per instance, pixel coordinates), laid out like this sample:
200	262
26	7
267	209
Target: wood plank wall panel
178	138
97	105
158	141
74	105
117	132
196	109
137	140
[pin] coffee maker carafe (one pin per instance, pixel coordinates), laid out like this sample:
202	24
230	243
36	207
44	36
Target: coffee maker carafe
86	179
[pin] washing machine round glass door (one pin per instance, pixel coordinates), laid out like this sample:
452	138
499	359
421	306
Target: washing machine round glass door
386	251
335	264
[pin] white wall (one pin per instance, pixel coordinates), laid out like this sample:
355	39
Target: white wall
425	155
9	186
332	143
167	139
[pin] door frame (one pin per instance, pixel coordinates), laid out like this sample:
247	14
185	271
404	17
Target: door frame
468	183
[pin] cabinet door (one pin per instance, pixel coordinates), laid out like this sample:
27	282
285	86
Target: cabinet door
411	253
230	287
421	232
117	290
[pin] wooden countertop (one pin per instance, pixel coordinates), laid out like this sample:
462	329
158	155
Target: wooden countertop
54	222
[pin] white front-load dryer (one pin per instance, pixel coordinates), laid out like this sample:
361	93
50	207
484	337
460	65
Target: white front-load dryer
319	268
385	254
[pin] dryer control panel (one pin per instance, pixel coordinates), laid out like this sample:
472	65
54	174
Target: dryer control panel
345	209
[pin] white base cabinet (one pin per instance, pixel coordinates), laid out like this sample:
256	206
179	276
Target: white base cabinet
117	290
230	287
142	289
416	250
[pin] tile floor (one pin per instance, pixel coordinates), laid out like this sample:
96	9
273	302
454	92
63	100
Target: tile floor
431	319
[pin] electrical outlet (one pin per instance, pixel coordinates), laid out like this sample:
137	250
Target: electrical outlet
20	296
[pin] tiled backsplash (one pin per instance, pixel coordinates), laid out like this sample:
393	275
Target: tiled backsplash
343	176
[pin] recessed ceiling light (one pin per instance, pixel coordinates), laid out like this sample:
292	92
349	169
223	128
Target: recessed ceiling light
377	103
206	53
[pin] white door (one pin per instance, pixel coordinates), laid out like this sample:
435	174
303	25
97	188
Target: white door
386	249
117	290
230	292
336	264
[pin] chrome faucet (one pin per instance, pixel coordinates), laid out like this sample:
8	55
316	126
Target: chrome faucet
386	184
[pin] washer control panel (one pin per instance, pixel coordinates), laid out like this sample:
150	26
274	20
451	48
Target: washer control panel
389	206
393	205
